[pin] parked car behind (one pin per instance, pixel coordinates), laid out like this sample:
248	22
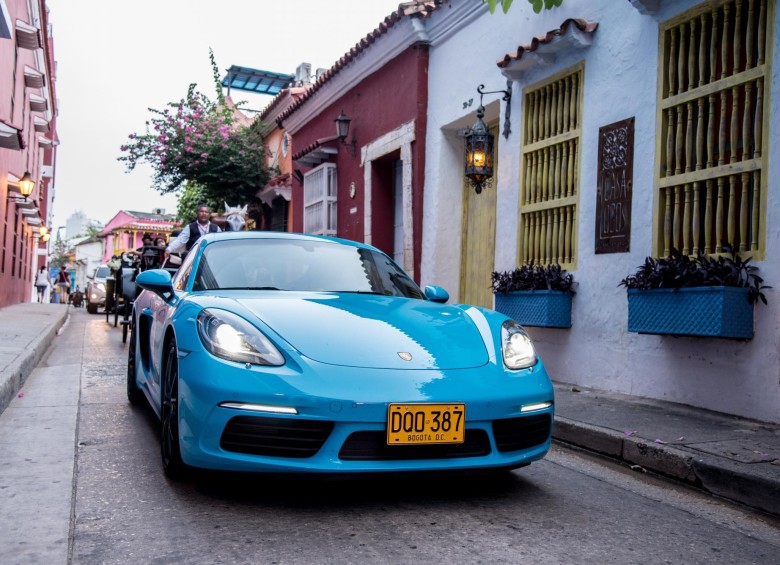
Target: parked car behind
96	289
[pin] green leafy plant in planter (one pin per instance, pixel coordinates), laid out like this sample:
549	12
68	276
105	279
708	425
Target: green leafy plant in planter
701	296
535	295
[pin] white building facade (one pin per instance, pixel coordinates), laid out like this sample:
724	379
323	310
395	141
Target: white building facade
649	64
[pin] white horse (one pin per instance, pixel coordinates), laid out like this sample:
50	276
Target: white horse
234	218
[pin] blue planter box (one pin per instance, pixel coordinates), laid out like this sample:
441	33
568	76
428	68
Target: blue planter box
718	311
545	308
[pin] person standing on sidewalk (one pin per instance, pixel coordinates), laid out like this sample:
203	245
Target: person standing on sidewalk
63	282
42	283
193	232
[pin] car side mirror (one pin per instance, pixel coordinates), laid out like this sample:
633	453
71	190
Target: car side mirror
436	294
157	281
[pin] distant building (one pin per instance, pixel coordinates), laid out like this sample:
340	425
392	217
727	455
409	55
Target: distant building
125	230
76	225
87	255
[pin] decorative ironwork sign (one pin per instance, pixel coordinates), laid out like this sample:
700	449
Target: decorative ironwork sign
613	191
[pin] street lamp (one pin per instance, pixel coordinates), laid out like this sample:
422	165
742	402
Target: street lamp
479	153
26	184
342	131
478	166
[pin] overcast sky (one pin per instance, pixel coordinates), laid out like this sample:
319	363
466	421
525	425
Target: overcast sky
116	58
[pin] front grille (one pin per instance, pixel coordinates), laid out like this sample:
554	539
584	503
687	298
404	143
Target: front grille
277	437
372	446
512	434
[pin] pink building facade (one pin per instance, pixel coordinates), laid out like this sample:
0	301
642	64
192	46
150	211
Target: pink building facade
28	143
124	232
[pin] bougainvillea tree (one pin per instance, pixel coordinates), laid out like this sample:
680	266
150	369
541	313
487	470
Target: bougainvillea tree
200	142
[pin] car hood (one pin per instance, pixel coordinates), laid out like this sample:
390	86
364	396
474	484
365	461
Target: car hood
373	331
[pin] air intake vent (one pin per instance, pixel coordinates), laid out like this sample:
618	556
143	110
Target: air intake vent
513	434
276	437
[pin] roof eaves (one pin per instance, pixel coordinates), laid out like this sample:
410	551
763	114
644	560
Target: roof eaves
579	32
414	8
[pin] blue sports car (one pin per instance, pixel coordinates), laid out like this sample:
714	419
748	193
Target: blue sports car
279	352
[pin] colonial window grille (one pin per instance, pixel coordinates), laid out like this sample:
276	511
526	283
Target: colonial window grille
319	200
549	176
711	181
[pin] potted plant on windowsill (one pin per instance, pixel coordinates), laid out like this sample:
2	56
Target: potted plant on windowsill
701	296
535	295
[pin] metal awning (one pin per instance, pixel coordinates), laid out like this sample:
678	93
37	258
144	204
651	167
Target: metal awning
27	36
255	80
33	78
10	137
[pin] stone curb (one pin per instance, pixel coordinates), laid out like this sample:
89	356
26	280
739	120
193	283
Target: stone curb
706	472
14	376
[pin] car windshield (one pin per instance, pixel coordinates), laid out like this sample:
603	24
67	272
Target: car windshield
301	265
102	273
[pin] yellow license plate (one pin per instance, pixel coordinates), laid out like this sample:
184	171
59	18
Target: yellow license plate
425	423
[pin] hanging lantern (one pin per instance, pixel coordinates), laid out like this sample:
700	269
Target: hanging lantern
479	154
26	185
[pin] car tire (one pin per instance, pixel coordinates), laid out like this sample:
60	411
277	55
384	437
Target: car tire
172	463
92	308
134	394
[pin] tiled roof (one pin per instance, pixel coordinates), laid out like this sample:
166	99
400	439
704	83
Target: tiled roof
309	148
150	216
282	180
295	93
549	37
414	8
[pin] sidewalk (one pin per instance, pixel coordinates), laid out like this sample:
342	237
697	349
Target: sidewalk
728	456
732	457
26	331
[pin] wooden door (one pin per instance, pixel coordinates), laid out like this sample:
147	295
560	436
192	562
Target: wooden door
478	240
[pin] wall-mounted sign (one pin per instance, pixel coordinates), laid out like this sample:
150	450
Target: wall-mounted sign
613	190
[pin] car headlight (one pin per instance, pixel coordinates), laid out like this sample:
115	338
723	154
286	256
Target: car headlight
231	337
101	286
516	346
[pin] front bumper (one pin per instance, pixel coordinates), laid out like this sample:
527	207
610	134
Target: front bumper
348	407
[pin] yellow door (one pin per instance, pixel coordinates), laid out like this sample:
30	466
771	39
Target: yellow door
478	240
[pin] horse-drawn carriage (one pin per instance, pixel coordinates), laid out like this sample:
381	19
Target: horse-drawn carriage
121	290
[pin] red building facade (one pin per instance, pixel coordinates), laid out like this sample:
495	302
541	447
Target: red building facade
367	185
28	140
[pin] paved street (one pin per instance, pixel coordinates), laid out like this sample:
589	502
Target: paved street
112	504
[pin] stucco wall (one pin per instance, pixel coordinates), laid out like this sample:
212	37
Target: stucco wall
620	81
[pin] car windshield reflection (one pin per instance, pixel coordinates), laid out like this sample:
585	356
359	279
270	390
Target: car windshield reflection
300	265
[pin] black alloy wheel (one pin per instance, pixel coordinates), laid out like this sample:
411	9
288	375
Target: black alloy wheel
134	394
172	462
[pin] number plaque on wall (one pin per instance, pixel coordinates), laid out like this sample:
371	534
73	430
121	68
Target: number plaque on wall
613	191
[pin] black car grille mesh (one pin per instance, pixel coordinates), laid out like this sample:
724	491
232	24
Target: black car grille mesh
277	437
512	434
372	446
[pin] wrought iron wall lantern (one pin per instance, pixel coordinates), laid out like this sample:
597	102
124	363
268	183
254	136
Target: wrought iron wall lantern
342	131
26	186
479	142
